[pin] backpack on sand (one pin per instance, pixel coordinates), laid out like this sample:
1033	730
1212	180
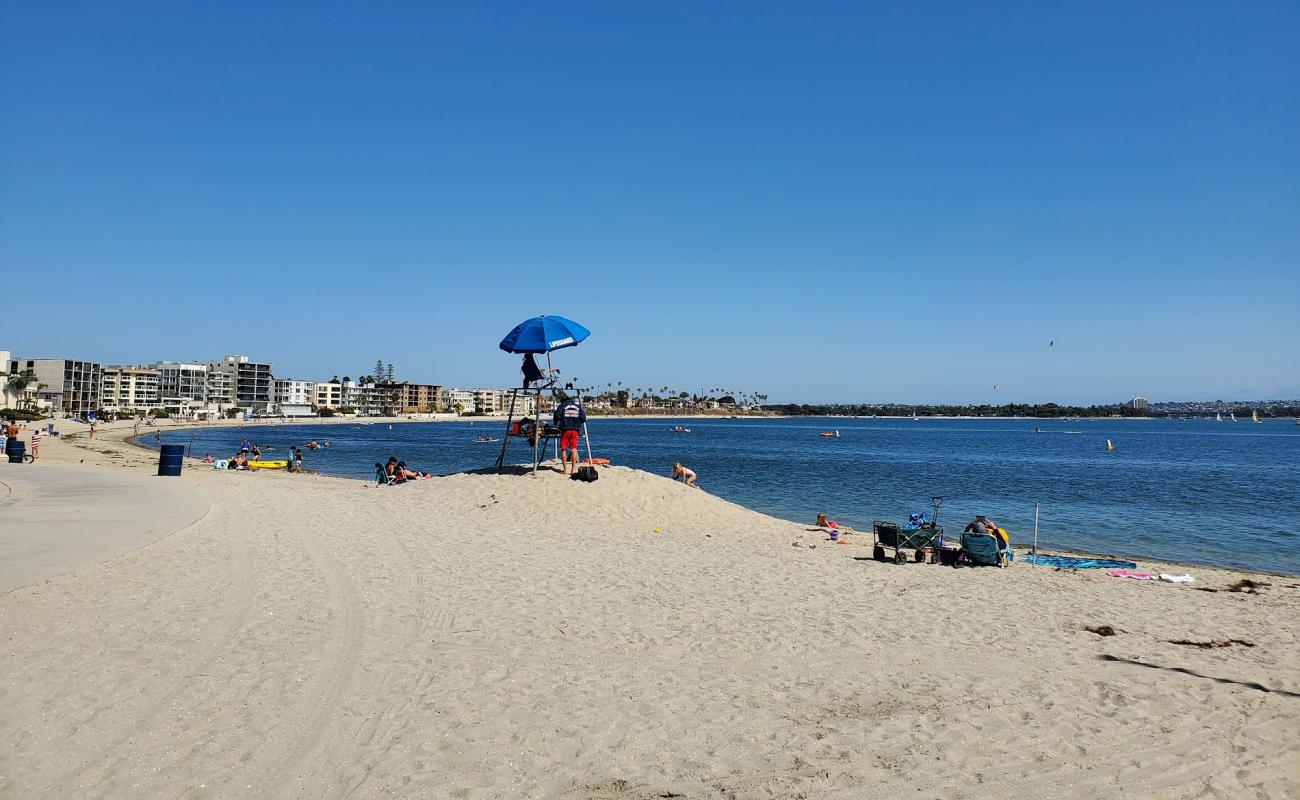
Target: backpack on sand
586	474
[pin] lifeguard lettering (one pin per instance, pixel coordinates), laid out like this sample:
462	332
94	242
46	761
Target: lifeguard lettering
561	342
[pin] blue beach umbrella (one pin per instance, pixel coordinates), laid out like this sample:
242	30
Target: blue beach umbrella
543	334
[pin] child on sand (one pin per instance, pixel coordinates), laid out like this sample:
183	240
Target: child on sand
684	474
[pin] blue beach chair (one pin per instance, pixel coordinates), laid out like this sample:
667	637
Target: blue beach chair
982	550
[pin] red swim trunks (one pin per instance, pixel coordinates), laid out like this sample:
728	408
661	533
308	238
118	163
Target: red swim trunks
569	440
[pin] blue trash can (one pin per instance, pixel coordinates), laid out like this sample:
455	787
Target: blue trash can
170	458
15	449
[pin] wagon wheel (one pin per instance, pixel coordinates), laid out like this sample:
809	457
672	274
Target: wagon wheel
899	558
920	555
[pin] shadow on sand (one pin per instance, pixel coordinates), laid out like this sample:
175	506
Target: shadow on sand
1248	684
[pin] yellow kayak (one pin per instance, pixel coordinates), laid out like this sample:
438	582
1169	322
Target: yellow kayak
268	464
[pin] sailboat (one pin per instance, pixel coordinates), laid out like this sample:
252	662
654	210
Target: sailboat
1232	415
1110	448
1254	416
1218	417
914	417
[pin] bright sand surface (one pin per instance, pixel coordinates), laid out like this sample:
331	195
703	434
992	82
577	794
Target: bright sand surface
509	636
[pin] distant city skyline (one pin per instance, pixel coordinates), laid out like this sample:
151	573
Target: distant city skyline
827	203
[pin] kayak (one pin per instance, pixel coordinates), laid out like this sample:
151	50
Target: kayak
268	464
595	460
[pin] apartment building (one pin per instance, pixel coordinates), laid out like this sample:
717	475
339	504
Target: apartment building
129	387
329	394
179	383
72	387
367	398
459	401
413	398
251	381
294	398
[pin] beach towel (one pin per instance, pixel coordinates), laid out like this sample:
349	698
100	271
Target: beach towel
1137	576
1183	578
1070	562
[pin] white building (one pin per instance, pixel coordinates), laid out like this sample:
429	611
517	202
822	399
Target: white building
489	401
459	401
366	398
131	387
294	398
8	398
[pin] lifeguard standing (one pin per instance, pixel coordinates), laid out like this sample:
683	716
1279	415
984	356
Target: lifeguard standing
569	418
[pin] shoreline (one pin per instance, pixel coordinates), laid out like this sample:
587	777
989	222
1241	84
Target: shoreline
1018	546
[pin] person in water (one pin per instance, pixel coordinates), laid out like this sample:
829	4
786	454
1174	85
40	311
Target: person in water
686	475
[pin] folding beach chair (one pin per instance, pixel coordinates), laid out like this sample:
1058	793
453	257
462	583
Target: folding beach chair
382	478
983	550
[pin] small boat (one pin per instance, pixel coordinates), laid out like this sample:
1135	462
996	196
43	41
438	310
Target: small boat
1110	448
1232	416
1254	417
267	464
485	440
826	433
1218	417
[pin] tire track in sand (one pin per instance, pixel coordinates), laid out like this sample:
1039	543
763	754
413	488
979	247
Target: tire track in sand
331	680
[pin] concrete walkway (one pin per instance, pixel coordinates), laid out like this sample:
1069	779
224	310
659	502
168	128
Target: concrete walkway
62	517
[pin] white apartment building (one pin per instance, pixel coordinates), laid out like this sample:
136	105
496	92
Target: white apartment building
489	401
8	399
451	398
129	387
294	398
220	388
368	399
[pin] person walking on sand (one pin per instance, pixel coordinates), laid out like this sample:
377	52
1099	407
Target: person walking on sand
569	418
36	444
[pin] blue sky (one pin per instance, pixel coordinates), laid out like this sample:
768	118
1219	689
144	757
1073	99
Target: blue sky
823	202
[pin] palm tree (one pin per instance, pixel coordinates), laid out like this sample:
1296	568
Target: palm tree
18	383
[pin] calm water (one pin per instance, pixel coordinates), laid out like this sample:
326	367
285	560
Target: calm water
1198	491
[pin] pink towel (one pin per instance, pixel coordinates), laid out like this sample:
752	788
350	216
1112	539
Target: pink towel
1137	576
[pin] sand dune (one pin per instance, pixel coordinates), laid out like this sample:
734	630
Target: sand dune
507	636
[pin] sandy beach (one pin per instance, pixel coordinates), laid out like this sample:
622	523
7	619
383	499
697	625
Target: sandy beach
485	636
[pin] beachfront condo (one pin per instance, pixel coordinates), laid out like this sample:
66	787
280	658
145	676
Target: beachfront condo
69	386
129	387
294	398
250	382
329	394
413	398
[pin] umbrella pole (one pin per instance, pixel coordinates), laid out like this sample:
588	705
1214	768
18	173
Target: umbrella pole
537	428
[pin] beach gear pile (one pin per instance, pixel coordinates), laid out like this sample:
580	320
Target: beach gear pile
921	520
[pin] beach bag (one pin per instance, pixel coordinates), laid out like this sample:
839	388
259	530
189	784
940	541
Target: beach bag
586	474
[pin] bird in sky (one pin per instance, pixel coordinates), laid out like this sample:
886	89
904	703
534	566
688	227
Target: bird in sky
997	385
1052	343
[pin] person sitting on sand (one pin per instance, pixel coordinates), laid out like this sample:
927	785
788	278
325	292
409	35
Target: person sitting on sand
822	522
684	474
404	473
977	525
